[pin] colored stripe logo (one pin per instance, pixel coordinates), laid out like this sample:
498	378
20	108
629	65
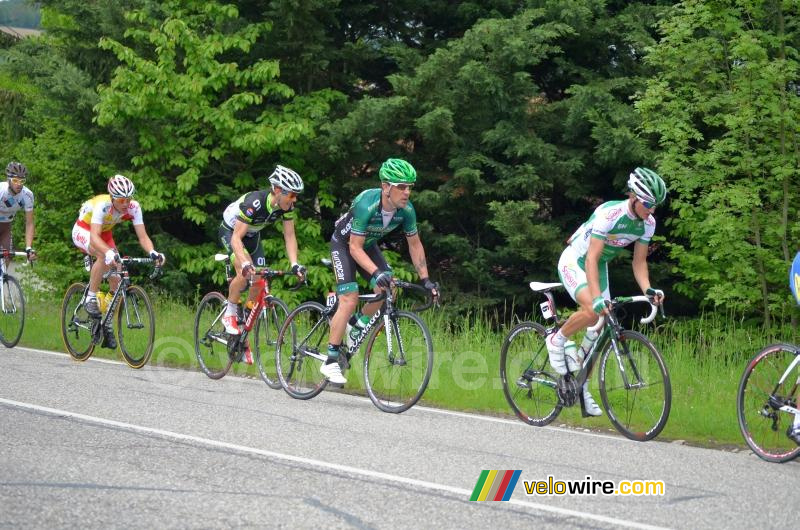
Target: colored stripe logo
495	485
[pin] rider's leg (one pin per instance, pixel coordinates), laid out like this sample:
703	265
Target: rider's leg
5	239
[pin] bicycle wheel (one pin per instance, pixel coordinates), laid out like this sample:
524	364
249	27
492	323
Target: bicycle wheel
398	364
136	327
760	397
266	338
76	324
528	384
12	312
210	339
302	346
635	387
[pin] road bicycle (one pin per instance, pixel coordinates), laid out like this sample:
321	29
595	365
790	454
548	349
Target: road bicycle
398	360
216	350
12	302
767	402
130	304
633	379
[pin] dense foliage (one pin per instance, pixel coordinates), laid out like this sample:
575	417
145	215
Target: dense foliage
520	117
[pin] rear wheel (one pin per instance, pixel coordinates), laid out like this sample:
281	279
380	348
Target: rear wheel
398	364
528	383
266	332
210	339
761	394
136	327
635	387
76	324
302	347
12	312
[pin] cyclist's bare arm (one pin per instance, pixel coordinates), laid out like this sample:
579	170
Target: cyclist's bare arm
30	229
641	271
290	239
358	254
417	252
96	243
144	239
239	231
593	266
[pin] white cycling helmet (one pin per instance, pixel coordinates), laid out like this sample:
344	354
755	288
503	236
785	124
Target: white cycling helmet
286	179
120	187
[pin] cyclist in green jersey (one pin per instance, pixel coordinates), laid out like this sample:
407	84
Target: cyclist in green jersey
354	248
583	266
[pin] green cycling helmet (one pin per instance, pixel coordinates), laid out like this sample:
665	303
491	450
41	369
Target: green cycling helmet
398	171
647	185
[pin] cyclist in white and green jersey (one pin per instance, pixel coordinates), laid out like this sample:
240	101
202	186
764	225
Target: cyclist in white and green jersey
354	248
583	267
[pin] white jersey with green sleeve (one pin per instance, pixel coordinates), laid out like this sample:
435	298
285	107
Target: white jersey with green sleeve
614	224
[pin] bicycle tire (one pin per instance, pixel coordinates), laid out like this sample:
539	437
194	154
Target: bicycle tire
12	312
212	354
638	413
76	321
762	424
266	331
306	329
528	384
395	384
132	308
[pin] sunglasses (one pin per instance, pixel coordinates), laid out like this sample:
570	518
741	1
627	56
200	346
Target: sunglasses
647	204
16	181
401	187
290	194
121	200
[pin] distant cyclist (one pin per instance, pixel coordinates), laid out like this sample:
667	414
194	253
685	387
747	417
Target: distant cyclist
240	233
794	283
583	267
92	234
354	248
16	196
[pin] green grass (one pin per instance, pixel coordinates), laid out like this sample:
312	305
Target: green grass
705	358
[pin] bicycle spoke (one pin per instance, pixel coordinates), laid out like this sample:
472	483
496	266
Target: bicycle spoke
528	383
303	335
76	324
635	387
135	327
265	340
398	364
210	339
764	427
12	311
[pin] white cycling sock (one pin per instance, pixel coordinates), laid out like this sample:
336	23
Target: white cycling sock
558	339
231	309
796	420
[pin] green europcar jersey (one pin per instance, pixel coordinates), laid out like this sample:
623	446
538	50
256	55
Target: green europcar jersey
365	219
616	226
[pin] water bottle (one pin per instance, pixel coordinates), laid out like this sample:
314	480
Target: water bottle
588	341
102	301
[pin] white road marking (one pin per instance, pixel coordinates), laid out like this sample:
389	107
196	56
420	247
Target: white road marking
319	463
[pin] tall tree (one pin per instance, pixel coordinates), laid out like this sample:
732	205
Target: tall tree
724	105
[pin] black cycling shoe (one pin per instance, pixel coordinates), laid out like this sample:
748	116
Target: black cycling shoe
109	341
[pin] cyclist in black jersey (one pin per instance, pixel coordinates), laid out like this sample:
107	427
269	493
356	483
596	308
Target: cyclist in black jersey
240	232
354	247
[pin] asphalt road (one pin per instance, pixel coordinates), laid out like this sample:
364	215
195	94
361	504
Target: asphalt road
99	445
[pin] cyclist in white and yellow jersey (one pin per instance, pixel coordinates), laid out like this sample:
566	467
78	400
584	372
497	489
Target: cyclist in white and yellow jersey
92	235
583	267
16	196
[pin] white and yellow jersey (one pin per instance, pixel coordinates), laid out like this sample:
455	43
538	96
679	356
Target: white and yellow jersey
99	210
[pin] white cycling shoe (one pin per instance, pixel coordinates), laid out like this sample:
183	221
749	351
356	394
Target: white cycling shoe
590	406
333	372
556	354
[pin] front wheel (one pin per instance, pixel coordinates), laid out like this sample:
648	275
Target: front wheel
635	387
76	324
301	350
398	362
769	382
12	312
528	383
136	327
266	339
210	339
